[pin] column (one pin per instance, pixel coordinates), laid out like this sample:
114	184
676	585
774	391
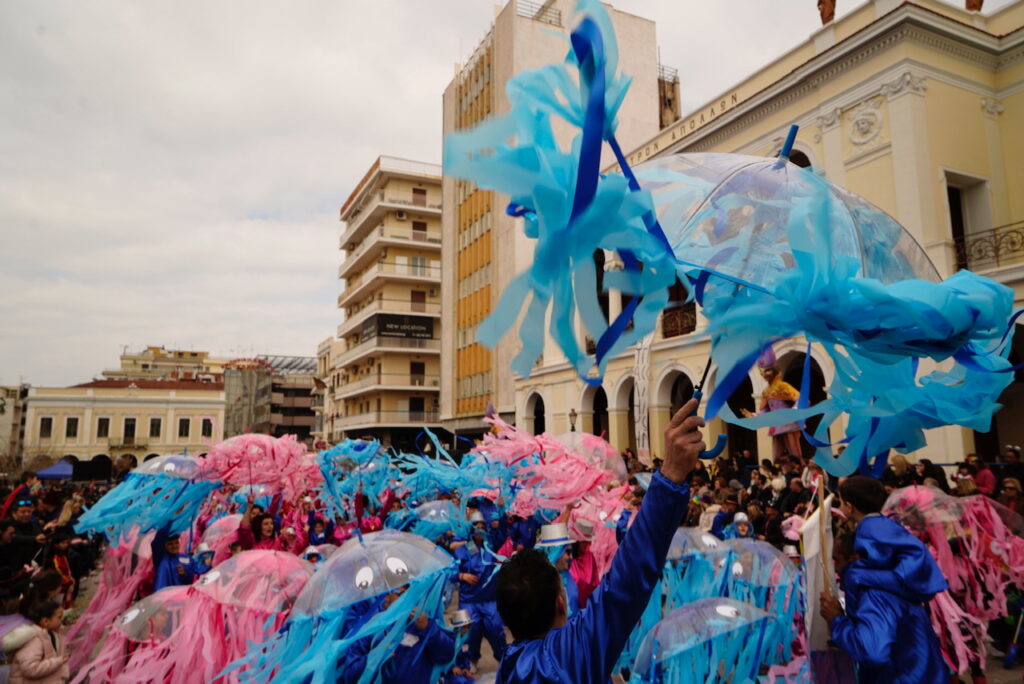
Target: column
618	428
832	146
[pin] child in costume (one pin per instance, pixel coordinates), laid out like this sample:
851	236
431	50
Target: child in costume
555	542
739	528
477	564
203	560
170	566
461	672
888	577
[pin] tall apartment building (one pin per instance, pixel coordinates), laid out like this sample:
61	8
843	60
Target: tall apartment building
915	106
484	248
272	395
158	363
385	374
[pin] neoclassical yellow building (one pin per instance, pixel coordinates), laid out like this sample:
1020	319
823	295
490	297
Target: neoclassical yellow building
917	106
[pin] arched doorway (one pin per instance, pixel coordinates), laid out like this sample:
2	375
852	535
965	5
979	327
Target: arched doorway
102	467
599	411
680	392
740	438
792	368
535	419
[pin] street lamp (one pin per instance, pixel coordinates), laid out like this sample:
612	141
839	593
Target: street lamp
572	420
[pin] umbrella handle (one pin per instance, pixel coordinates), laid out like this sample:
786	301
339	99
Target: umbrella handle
720	441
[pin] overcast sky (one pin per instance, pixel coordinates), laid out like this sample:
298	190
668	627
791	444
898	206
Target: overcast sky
170	171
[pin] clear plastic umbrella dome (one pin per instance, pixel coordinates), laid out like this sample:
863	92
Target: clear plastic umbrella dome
362	568
327	550
266	581
221	531
437	511
918	507
181	466
759	563
731	214
597	451
688	540
155	617
694	625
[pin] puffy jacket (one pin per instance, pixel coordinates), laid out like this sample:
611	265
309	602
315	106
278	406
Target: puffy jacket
887	629
34	659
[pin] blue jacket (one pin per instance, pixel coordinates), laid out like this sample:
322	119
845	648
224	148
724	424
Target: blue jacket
622	525
524	532
572	593
722	520
587	647
165	568
482	563
416	656
886	628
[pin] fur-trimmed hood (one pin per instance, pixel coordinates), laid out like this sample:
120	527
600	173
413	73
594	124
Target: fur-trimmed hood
19	636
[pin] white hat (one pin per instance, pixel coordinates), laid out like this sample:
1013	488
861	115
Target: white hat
555	534
585	529
311	550
740	517
461	618
790	550
476	516
288	530
203	548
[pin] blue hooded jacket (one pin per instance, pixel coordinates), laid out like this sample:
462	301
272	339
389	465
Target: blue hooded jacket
886	628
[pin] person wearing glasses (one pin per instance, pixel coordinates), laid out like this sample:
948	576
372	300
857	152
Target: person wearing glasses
1010	495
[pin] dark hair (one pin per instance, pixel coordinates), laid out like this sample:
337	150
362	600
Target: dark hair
44	583
528	586
843	544
257	526
27	475
866	494
42	609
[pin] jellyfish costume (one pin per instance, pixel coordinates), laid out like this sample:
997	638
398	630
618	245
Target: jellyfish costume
220	535
281	464
354	611
126	569
351	467
141	636
770	251
713	639
163	493
435	519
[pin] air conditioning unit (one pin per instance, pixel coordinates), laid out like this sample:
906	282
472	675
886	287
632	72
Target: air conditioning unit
402	215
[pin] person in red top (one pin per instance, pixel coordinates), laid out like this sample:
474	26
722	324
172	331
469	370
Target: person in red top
984	478
58	560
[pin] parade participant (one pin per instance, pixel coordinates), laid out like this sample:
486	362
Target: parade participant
477	564
739	528
548	646
39	650
779	394
170	566
724	517
634	499
523	532
556	543
312	554
203	561
424	646
888	576
583	566
461	672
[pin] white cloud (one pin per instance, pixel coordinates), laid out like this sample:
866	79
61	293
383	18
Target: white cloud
170	172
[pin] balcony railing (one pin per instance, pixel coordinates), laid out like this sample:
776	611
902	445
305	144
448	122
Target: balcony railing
388	268
679	320
127	443
372	418
387	305
383	342
538	11
389	381
384	232
988	249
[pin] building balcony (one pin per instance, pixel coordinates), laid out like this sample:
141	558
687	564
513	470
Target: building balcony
296	402
292	421
993	249
380	344
359	286
398	306
376	208
377	419
375	382
121	443
383	236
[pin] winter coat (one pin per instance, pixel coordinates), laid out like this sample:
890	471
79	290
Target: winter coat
34	659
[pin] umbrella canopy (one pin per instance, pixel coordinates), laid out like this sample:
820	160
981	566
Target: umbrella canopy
180	466
266	581
367	567
702	637
731	214
155	617
691	539
61	470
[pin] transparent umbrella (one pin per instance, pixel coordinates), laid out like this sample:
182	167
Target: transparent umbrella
266	581
181	466
367	567
691	539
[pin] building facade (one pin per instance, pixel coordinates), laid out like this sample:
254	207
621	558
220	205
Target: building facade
122	420
385	370
158	363
484	248
12	428
917	107
272	395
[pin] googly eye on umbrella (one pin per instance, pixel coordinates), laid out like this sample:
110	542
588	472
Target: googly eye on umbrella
769	250
691	539
137	637
165	492
708	640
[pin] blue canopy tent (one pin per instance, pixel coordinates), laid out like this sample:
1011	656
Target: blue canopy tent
61	470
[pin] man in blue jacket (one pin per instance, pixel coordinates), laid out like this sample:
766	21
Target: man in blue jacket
888	577
548	646
170	566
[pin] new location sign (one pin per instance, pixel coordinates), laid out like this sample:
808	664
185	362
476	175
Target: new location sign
393	325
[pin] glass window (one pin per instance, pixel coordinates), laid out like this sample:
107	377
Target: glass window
207	427
45	427
184	427
102	427
71	427
155	425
